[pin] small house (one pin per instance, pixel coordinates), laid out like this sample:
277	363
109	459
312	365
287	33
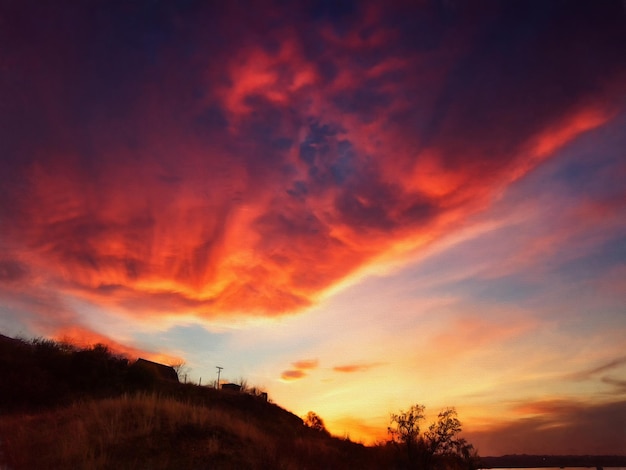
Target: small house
231	387
160	371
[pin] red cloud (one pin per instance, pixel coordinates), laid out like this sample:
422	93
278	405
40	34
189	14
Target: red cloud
247	168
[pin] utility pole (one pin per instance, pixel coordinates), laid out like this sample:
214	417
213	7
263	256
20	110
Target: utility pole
219	370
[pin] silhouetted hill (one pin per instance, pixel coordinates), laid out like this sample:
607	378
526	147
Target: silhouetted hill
67	407
43	373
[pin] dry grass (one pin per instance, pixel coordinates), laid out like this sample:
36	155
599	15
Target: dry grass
149	431
140	431
63	407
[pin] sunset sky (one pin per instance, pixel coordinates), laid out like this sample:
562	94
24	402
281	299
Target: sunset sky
357	206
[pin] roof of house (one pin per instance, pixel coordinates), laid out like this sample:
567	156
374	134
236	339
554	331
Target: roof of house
162	371
236	387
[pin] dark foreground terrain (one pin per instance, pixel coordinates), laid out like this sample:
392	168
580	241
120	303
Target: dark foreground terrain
65	407
542	461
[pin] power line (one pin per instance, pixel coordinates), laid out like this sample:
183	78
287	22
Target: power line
219	370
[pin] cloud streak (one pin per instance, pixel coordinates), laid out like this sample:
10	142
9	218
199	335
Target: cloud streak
590	373
350	368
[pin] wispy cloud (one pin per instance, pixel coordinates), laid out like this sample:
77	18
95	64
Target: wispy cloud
547	407
349	368
619	384
607	373
467	333
607	366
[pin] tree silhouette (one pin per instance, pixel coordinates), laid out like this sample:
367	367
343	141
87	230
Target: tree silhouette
441	435
313	421
438	447
181	368
405	429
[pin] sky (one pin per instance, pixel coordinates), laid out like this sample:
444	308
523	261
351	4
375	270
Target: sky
357	206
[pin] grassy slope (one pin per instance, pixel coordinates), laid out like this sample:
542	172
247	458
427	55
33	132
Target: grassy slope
157	432
54	417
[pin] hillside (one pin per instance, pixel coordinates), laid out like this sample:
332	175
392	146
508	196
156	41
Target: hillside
64	407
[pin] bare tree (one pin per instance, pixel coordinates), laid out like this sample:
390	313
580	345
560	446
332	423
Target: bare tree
243	383
405	429
181	369
441	435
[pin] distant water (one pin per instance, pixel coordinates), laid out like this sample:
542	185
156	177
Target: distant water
559	468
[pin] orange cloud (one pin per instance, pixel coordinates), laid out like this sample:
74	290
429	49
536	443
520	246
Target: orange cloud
349	368
85	337
292	375
248	170
299	370
307	364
